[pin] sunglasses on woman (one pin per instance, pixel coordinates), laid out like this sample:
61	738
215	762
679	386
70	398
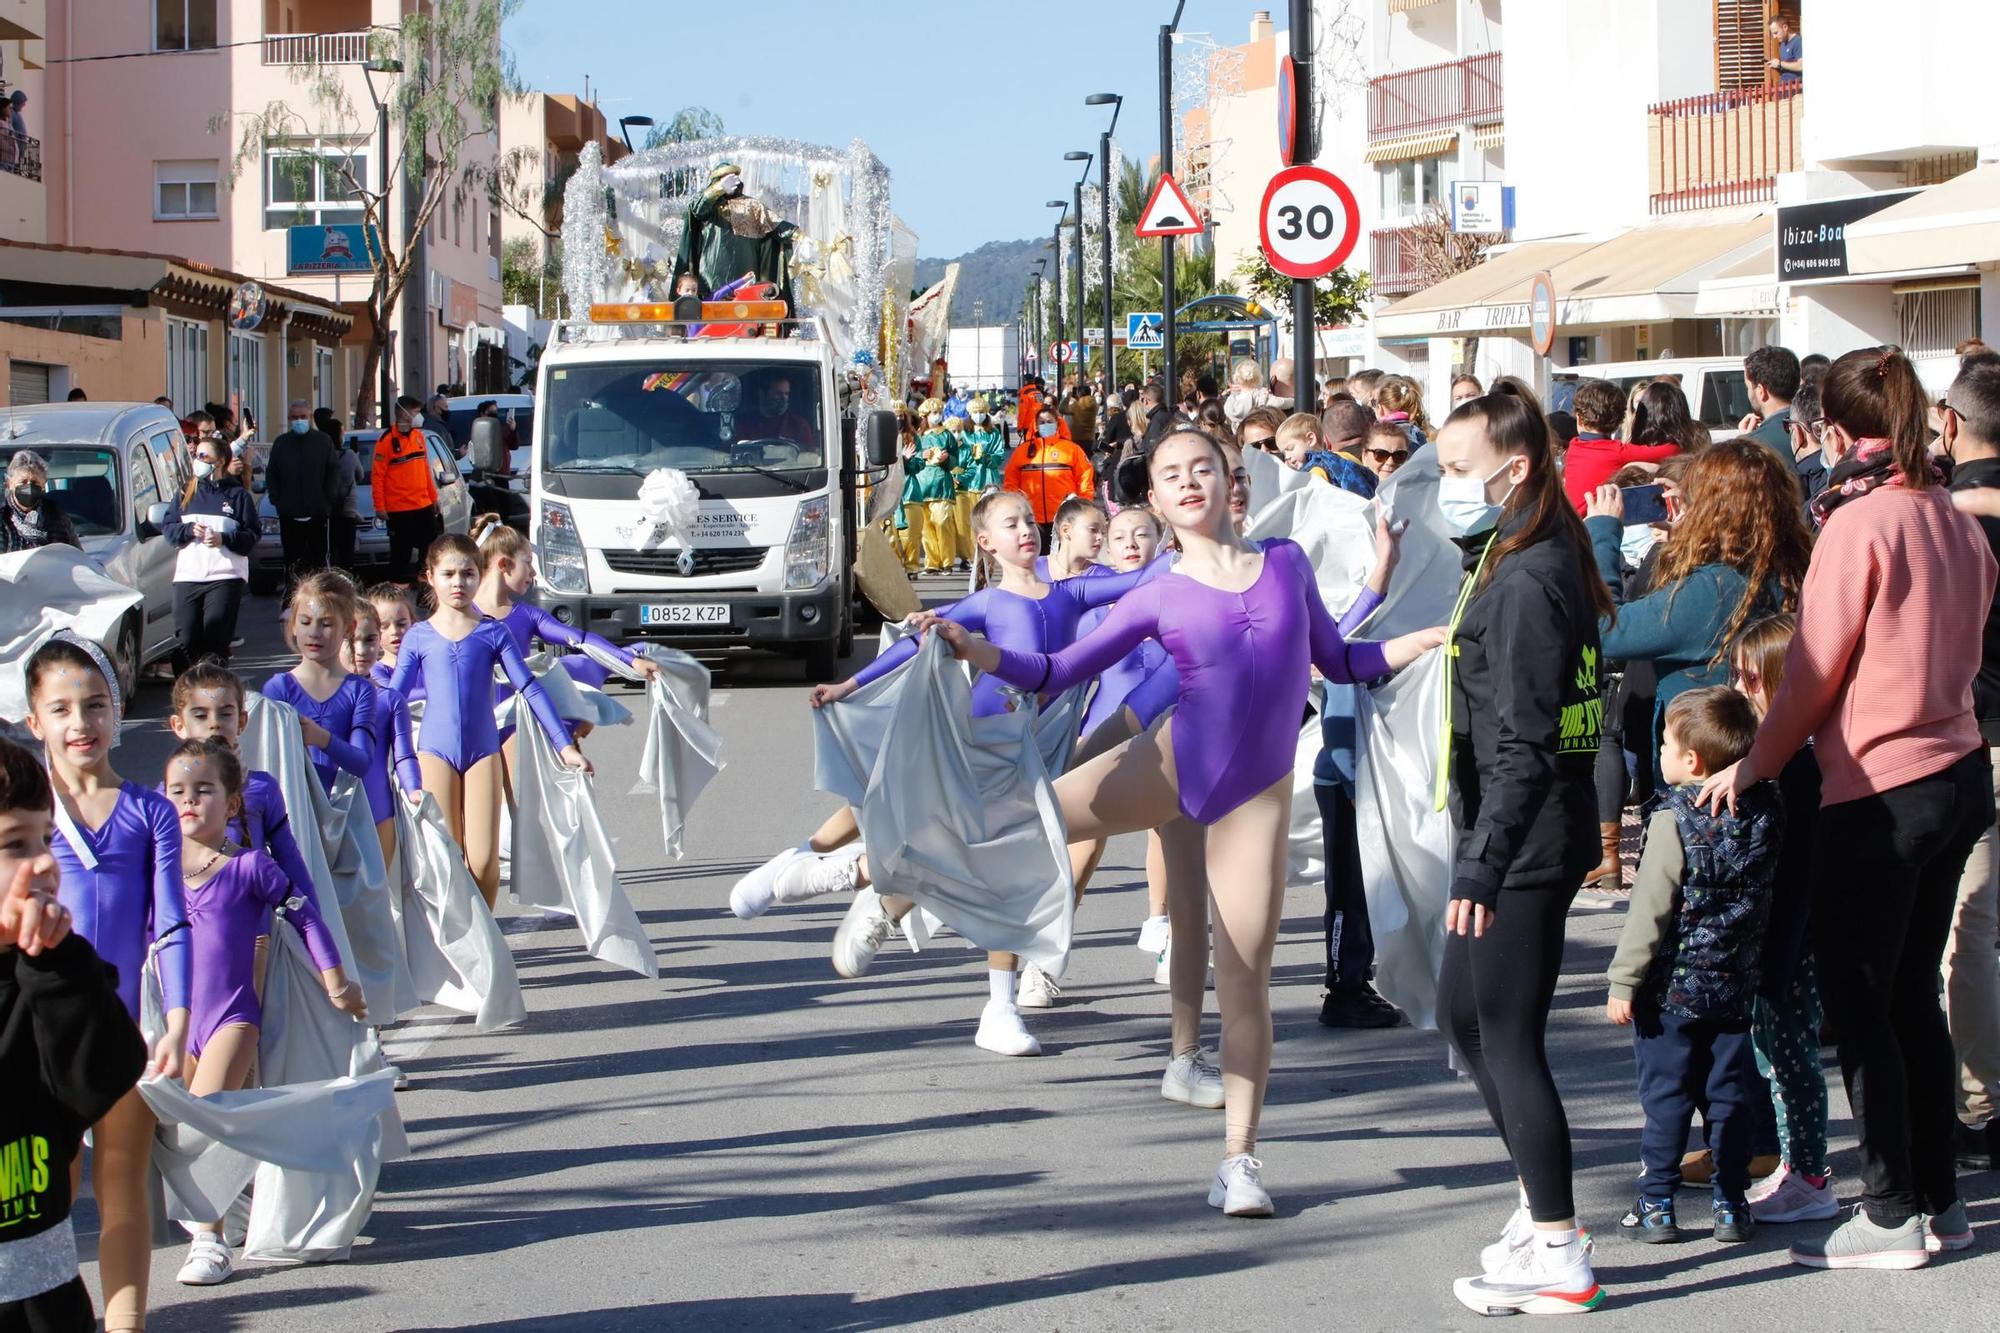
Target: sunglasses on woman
1387	455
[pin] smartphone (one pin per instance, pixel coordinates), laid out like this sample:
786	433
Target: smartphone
1644	504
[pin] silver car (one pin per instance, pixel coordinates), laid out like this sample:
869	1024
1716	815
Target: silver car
371	539
112	469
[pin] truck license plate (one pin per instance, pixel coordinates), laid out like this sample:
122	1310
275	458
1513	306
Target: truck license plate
684	613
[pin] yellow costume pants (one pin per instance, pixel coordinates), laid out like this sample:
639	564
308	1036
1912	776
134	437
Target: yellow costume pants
940	534
963	506
911	538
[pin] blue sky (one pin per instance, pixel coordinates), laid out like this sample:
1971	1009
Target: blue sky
971	103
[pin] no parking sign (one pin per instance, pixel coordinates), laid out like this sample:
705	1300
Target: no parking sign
1310	222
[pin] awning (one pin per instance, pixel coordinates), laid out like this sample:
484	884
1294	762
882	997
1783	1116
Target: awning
1488	136
1404	6
1646	276
1951	224
1411	145
181	286
1460	304
1747	289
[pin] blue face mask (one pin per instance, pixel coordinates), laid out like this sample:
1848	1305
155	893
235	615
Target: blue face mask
1463	502
301	426
1636	541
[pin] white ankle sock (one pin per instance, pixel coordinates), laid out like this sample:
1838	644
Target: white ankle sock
1524	1196
1000	987
1560	1244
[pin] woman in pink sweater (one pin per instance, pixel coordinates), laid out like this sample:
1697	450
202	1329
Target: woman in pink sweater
1880	676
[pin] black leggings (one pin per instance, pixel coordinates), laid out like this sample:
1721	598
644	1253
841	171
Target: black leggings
1493	1000
66	1309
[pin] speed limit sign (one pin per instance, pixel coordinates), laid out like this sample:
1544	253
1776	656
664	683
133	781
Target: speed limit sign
1310	222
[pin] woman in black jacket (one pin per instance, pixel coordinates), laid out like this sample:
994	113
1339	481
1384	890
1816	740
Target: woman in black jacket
214	523
1526	709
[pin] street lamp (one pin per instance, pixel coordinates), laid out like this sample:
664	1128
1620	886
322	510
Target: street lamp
1055	244
625	124
1116	103
1035	309
1082	348
388	66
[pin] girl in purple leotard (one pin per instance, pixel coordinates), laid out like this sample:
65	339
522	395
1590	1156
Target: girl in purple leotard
119	847
231	894
458	757
363	656
1244	625
336	707
509	573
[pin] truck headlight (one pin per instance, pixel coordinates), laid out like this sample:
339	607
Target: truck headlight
808	554
559	550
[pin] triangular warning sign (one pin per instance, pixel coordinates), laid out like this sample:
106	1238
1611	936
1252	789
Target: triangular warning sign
1168	212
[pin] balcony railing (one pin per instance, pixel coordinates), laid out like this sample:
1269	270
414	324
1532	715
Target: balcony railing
20	155
1396	270
1724	148
1435	97
315	48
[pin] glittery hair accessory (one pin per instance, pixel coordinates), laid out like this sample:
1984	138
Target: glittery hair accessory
96	654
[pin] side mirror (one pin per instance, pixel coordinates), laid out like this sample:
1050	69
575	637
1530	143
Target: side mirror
879	439
488	443
151	522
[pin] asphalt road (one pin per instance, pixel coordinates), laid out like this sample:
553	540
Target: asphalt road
752	1142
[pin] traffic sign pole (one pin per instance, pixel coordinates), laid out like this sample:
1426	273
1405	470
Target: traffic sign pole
1167	242
1303	149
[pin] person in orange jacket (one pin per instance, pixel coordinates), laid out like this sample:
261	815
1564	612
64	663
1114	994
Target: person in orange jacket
1048	468
404	493
1031	404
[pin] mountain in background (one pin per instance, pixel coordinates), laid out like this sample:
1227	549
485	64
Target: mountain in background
992	281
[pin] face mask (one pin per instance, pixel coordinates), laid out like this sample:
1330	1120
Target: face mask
979	417
1463	502
1637	540
1046	431
301	426
29	494
203	468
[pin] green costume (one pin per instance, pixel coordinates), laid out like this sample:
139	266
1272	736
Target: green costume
932	481
729	234
982	459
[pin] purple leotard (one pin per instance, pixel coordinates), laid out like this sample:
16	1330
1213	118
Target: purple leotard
458	683
1143	679
382	673
227	914
1243	660
264	825
1027	624
133	896
391	740
348	715
525	623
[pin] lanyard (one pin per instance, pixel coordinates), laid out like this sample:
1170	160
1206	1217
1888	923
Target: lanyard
1451	655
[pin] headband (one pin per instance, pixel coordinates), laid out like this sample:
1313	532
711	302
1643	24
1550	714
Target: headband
96	654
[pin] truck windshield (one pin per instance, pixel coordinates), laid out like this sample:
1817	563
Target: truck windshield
700	417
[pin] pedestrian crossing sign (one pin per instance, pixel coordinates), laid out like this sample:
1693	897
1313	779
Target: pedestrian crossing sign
1143	331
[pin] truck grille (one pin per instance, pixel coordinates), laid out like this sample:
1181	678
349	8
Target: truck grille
666	564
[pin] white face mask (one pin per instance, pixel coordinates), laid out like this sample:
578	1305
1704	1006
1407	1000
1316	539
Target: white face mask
203	468
1463	502
979	417
1637	540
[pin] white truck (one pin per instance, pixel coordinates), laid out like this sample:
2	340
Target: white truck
742	421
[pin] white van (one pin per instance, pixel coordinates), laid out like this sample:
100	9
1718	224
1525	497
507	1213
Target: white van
1716	393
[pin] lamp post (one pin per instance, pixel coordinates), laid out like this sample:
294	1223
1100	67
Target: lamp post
1035	320
1082	347
387	65
625	124
1117	104
1055	244
1166	168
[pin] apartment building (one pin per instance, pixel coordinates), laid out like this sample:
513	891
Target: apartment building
142	155
1654	161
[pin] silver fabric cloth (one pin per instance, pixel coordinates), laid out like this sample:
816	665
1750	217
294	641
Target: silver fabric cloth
456	953
683	753
42	591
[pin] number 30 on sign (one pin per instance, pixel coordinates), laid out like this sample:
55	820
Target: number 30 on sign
1309	223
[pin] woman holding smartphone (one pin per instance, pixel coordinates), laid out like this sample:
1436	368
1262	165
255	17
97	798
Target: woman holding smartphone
1738	553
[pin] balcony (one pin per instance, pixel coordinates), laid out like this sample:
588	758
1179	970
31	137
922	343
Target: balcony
316	48
1395	269
1435	97
1724	148
20	155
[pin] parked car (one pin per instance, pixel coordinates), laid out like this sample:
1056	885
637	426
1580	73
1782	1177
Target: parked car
112	469
371	539
1717	396
505	494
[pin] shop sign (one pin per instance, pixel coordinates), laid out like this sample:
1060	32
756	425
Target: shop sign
1812	238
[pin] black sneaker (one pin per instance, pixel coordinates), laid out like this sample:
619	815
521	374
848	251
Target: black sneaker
1652	1221
1733	1223
1358	1007
1978	1149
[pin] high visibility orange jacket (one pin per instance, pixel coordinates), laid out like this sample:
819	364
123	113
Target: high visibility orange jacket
402	474
1049	472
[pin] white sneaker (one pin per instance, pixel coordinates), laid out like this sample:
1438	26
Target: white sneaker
1153	935
208	1262
401	1081
1002	1032
1787	1196
812	875
860	936
752	895
1536	1279
1037	990
1238	1188
1162	970
1520	1229
1192	1079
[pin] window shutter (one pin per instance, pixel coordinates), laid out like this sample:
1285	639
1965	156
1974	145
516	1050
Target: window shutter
1740	39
